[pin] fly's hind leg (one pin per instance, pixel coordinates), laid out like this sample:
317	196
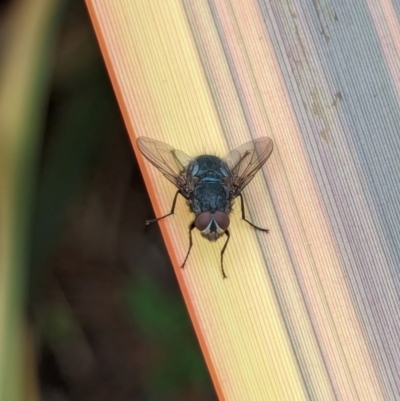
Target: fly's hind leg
247	221
148	222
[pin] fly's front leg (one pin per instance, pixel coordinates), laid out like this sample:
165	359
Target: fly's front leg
191	227
222	253
247	221
148	222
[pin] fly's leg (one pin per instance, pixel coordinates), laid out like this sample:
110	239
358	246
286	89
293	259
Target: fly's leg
191	227
148	222
222	253
247	221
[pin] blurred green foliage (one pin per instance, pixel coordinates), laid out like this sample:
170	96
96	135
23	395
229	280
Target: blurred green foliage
82	114
164	322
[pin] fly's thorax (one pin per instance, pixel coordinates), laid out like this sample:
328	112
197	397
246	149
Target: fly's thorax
208	176
212	225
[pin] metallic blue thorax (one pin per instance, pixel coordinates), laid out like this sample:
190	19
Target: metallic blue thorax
209	175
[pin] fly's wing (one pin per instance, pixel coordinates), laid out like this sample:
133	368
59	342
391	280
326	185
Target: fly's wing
246	160
170	161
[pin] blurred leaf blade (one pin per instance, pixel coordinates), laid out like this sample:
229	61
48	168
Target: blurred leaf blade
25	68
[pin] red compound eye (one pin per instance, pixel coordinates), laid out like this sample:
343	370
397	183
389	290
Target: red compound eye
203	220
222	219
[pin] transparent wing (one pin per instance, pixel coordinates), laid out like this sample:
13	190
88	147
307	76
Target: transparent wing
246	160
170	161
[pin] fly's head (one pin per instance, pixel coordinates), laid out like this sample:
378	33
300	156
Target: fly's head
212	225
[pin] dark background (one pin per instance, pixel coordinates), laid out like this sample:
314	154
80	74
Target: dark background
107	313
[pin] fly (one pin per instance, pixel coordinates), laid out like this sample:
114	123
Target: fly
208	183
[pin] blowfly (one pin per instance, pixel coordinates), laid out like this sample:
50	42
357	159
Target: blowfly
208	183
